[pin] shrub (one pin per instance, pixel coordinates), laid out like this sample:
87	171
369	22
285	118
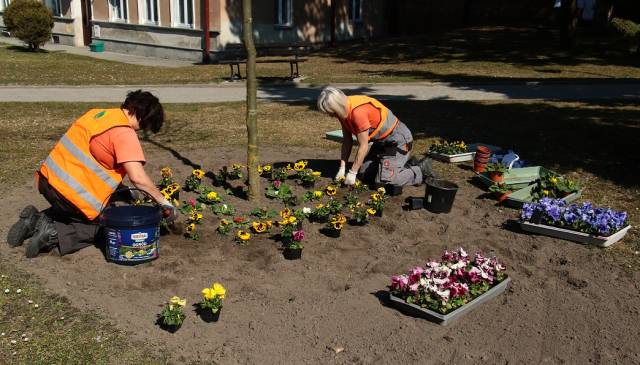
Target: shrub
628	30
30	21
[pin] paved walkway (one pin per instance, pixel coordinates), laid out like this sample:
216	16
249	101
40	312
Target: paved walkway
302	92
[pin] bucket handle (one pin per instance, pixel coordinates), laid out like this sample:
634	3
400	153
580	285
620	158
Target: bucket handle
119	190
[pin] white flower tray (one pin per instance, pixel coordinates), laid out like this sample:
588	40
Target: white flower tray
445	319
460	157
567	234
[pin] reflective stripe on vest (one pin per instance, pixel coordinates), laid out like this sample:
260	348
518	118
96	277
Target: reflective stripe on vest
71	169
73	184
388	121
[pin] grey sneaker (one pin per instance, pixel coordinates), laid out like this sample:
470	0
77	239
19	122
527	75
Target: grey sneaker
25	226
45	237
427	169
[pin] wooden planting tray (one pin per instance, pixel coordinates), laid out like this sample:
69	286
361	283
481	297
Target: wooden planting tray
519	197
445	319
567	234
517	178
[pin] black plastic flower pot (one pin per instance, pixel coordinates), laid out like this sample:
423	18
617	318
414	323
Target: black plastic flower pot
333	233
416	203
171	328
439	196
308	184
354	222
393	190
379	212
292	253
208	316
299	225
321	219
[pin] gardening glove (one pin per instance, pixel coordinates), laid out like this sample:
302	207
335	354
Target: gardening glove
340	173
351	178
169	212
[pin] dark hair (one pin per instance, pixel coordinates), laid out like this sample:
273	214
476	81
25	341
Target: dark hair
146	108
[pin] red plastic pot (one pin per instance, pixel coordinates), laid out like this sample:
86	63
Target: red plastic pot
502	196
479	167
483	150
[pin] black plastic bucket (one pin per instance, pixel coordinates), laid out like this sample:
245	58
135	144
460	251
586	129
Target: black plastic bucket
439	196
132	233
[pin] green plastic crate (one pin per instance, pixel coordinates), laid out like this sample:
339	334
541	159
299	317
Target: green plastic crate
519	197
97	46
517	178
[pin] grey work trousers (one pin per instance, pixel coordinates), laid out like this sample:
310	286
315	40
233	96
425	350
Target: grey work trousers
385	162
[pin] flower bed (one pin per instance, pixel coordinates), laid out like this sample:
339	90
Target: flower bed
450	151
582	223
443	291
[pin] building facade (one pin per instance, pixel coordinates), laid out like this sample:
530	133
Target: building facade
177	28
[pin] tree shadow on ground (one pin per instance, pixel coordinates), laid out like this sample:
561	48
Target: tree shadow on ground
600	138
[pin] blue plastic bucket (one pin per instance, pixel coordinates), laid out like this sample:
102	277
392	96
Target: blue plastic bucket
132	233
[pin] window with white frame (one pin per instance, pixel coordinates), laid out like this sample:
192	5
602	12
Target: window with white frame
118	10
182	13
355	10
149	12
4	4
54	6
284	12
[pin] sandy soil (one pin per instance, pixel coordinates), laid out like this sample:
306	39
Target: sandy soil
568	303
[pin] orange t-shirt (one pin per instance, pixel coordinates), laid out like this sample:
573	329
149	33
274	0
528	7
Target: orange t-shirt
365	117
116	146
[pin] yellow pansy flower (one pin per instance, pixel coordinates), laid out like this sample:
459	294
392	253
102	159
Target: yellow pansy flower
166	172
545	192
237	166
285	213
375	197
208	293
337	225
554	180
319	206
358	184
243	236
198	173
176	300
371	211
212	195
316	173
259	227
331	190
292	219
318	194
266	168
300	165
191	227
382	190
219	290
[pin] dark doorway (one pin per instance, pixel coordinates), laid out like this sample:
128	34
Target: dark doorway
86	21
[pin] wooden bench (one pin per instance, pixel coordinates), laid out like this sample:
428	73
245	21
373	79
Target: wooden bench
291	54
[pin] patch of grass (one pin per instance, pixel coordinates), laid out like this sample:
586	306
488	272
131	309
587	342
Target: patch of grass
42	328
471	54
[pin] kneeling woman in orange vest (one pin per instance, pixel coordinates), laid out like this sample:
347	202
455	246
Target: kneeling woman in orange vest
370	121
83	170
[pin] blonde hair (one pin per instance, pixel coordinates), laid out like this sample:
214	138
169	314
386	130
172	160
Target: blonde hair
333	101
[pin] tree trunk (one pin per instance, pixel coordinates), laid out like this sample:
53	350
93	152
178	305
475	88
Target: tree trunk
252	112
569	10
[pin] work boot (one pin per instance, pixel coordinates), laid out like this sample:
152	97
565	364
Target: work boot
45	237
427	169
24	227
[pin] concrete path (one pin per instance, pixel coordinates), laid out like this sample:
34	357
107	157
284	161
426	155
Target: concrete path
301	92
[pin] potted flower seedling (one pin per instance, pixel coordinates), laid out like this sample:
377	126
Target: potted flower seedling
209	197
171	192
194	181
264	213
501	191
552	185
448	148
496	171
312	195
225	227
378	201
172	315
350	199
223	209
191	205
360	187
321	213
293	248
242	237
360	214
264	170
219	179
211	305
166	177
279	174
335	225
191	232
308	177
287	226
279	190
234	173
300	165
334	206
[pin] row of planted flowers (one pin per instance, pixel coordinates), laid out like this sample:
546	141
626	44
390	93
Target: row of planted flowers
327	209
208	309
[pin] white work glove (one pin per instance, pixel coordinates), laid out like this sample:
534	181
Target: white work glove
169	212
340	173
351	178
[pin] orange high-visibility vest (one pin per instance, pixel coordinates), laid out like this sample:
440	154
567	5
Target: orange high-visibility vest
71	169
388	121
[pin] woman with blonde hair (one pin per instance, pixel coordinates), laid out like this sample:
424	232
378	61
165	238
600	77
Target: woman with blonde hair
370	121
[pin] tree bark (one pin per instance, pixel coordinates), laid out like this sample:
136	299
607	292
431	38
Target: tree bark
252	111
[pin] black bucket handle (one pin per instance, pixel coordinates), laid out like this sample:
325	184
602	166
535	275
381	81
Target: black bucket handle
119	190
